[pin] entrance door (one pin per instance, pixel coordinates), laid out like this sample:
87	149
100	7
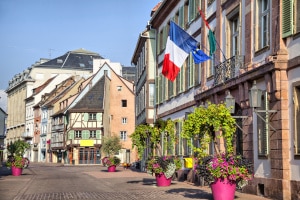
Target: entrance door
89	156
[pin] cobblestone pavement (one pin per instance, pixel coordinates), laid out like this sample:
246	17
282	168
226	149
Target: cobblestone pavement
53	182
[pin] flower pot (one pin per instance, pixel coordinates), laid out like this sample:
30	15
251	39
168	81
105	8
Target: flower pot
111	168
223	189
162	181
16	171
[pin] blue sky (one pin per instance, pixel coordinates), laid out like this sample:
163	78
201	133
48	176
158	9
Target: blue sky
34	29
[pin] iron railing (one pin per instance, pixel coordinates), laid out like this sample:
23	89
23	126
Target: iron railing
229	69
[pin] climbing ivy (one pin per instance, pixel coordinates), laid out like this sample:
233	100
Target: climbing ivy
203	124
157	134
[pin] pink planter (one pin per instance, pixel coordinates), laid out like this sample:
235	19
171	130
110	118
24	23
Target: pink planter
111	168
162	181
223	189
16	171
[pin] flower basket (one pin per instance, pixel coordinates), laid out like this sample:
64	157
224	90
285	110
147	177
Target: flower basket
15	171
223	189
162	180
111	168
163	168
111	163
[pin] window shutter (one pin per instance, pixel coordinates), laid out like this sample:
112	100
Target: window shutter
99	117
85	117
98	134
71	134
287	18
157	96
85	134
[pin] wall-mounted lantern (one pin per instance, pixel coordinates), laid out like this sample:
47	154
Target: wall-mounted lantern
255	96
230	102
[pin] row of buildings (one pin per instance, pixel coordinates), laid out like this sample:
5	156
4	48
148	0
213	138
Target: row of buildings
257	61
65	107
256	64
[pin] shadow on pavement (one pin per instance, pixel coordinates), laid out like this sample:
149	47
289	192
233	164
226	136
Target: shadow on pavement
191	193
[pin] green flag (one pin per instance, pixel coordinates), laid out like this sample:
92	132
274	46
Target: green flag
212	42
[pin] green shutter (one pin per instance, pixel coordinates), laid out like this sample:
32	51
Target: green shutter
99	117
287	18
85	134
71	134
85	117
98	134
157	90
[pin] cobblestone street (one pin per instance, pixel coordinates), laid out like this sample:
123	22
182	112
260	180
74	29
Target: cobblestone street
45	181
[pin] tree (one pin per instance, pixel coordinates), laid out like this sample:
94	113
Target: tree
111	145
18	148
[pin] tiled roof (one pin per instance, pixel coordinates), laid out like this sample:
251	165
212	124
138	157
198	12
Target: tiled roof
93	99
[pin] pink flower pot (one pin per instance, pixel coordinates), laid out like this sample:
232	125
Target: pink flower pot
16	171
111	168
223	189
162	181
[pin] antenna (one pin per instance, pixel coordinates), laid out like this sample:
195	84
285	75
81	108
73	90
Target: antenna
50	51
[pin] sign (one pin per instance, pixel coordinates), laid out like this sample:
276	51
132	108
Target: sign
86	143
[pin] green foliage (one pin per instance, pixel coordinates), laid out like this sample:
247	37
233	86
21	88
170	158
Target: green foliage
203	124
17	148
234	168
110	161
111	145
142	132
16	161
139	137
163	164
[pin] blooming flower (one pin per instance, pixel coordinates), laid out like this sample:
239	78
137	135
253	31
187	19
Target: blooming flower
234	168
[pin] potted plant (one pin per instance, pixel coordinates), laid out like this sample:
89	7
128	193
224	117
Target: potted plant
111	163
111	146
16	161
163	168
215	124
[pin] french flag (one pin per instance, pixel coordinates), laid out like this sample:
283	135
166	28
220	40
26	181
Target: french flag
179	45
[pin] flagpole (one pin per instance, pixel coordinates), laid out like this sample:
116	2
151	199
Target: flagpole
207	25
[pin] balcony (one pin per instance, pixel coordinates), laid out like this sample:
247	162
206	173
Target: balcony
27	135
229	69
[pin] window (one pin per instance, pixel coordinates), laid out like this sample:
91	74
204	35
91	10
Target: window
178	139
124	120
92	116
151	94
263	23
234	36
262	128
211	66
123	135
124	103
78	134
170	88
119	88
296	122
93	134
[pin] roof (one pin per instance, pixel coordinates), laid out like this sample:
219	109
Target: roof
76	59
93	99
